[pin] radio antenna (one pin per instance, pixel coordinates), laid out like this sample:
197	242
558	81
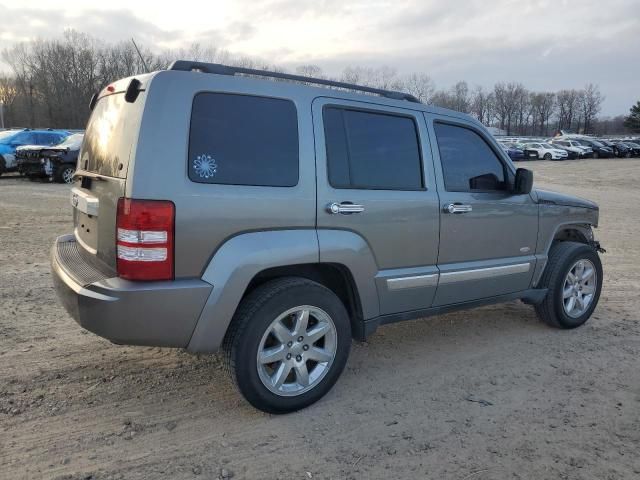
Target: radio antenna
140	55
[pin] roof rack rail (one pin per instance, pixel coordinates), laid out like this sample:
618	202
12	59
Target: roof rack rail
219	69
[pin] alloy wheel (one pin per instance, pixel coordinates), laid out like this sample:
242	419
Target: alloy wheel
579	288
297	350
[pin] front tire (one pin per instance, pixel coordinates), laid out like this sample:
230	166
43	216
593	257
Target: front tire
287	344
573	277
64	174
547	156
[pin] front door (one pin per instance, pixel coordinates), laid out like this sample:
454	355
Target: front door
487	234
375	183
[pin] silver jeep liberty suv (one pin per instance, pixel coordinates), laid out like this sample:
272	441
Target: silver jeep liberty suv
215	208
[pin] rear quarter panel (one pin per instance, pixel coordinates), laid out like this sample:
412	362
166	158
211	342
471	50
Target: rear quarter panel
207	215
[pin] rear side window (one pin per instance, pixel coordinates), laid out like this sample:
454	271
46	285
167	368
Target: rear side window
369	150
243	140
468	163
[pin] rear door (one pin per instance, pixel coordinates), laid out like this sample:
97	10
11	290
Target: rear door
103	163
487	234
375	179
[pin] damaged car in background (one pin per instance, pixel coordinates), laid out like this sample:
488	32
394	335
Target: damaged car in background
57	163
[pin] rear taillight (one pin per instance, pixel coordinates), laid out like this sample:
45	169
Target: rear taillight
144	239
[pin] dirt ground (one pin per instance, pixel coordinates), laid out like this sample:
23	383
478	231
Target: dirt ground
485	394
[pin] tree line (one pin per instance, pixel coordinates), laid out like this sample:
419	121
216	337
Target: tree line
51	82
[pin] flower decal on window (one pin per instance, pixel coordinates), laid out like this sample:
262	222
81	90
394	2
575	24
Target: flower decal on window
205	166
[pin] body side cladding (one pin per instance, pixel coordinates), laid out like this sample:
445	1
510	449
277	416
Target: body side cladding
530	296
577	228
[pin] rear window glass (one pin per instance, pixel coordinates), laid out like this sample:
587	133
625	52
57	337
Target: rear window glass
109	136
243	140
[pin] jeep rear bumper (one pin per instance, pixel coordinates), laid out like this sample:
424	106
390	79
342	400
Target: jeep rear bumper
162	314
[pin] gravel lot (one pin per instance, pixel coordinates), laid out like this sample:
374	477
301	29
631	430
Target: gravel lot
484	394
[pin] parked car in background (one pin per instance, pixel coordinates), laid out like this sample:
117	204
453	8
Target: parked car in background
513	151
571	153
528	154
57	162
10	140
635	147
618	148
547	151
572	146
600	150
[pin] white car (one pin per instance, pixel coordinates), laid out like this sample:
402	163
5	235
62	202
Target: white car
574	146
547	151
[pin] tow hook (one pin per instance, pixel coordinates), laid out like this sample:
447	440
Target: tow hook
596	245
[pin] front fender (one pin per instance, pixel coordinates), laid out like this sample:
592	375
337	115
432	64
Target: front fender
554	219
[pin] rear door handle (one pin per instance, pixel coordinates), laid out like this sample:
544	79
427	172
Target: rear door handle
457	208
344	208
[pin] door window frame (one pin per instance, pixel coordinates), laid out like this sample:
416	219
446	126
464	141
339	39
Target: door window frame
507	165
378	109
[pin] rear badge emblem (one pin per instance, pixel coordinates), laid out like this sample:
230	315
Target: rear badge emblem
205	166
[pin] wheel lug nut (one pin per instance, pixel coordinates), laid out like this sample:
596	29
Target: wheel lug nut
298	357
305	347
300	338
289	344
288	356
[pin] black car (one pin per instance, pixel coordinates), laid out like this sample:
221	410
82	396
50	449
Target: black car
600	150
57	162
634	146
619	149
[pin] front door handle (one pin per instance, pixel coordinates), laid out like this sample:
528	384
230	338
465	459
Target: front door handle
344	208
457	208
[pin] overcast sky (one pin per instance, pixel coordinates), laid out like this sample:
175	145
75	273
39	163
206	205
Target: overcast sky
546	45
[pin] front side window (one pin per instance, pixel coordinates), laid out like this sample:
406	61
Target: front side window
243	140
468	163
368	150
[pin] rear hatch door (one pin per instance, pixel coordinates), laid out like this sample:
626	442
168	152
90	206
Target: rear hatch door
102	170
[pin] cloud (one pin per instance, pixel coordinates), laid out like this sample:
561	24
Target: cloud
542	43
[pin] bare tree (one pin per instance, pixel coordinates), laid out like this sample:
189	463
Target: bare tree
420	86
482	105
543	106
590	104
567	101
506	101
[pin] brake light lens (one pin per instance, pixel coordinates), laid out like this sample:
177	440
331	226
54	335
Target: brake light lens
145	239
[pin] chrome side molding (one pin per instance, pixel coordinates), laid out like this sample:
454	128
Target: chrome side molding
483	273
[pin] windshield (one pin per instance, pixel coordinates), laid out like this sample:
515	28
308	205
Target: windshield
72	141
597	144
6	134
547	145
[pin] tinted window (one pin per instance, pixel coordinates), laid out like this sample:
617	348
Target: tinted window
243	140
468	162
372	150
110	132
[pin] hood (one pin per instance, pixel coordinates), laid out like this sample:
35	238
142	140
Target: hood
554	198
34	147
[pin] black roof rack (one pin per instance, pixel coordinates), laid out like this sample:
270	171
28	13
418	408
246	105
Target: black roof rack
219	69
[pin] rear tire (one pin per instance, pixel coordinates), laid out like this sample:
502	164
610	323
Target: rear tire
308	355
569	304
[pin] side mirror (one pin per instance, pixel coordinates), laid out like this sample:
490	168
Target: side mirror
524	182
